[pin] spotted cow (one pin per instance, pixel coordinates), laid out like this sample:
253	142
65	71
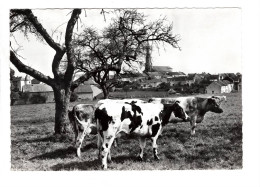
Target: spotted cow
195	107
142	119
82	119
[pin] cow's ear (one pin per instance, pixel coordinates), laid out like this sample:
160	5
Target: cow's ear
211	100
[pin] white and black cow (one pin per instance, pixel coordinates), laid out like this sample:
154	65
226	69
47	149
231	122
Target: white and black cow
195	107
82	119
137	117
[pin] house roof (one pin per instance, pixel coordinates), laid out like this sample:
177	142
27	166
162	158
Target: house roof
178	79
218	83
37	88
213	76
226	82
176	73
154	73
35	81
90	82
151	81
86	88
162	68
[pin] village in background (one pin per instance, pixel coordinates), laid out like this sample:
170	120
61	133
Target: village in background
153	81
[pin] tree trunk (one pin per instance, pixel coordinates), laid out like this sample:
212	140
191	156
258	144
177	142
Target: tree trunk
62	99
105	92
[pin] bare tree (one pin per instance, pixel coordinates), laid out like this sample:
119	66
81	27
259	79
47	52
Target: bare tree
24	20
124	41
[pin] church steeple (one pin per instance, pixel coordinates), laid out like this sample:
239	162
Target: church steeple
148	59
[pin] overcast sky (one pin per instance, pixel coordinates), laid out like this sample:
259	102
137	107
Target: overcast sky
210	38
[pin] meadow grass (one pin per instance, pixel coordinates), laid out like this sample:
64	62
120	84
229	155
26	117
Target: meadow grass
217	143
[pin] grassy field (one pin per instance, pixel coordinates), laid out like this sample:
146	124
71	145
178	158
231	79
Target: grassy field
217	143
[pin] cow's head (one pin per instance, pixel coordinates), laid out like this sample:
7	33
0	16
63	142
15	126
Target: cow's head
179	111
214	106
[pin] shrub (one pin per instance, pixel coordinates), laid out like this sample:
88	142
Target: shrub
73	97
14	97
25	96
38	99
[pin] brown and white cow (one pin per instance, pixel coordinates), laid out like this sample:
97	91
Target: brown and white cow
195	107
82	119
138	117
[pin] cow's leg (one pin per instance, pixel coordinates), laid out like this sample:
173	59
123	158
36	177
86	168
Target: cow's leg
142	142
193	125
109	160
79	141
99	144
154	138
108	141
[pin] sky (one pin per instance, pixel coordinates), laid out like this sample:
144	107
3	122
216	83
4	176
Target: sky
210	38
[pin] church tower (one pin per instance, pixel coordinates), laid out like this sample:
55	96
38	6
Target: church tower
148	59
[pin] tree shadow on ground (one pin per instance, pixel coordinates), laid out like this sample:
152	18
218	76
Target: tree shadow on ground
53	138
93	164
177	134
63	153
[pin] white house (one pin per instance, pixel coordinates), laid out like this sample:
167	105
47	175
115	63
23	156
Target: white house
218	87
19	82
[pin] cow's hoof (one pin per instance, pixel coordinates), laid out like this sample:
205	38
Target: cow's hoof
109	160
140	158
78	152
156	158
104	167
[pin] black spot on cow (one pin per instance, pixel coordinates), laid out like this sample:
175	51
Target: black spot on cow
136	119
168	109
103	118
141	126
126	114
149	122
135	122
102	149
106	145
155	129
156	118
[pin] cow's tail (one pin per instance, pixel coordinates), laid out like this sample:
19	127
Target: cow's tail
81	123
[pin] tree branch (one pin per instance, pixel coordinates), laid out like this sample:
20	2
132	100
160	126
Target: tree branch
68	42
30	71
39	28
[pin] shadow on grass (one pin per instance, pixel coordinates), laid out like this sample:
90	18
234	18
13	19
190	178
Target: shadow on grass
93	164
178	134
53	138
63	153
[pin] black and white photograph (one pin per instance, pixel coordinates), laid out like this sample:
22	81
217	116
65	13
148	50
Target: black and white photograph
130	89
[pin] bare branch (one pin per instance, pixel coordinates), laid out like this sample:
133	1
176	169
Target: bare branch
30	71
37	25
68	42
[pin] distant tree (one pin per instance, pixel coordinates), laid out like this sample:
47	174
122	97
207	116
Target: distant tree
164	85
123	42
38	99
126	88
73	97
14	91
